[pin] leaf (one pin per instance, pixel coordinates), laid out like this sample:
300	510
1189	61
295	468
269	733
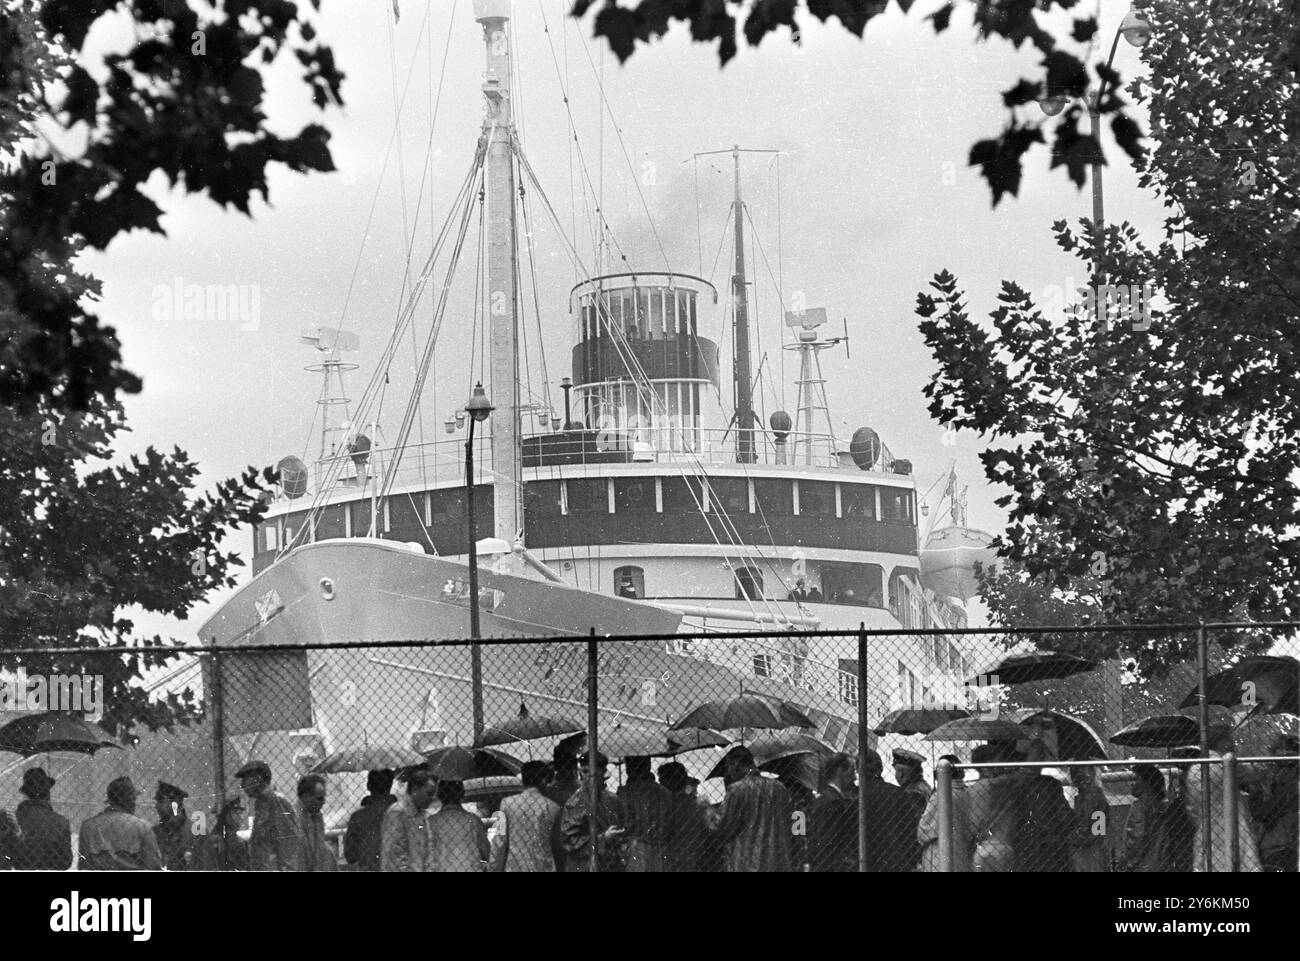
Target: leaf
999	160
83	96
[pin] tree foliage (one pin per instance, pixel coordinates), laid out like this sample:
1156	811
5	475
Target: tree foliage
81	540
1064	63
1160	464
184	101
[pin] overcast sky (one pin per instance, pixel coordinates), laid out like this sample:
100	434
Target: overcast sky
875	199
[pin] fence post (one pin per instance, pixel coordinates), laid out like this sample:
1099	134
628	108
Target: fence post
593	784
218	754
943	777
1230	810
862	745
1202	671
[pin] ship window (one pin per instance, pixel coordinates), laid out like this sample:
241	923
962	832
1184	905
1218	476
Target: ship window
857	500
588	495
729	495
816	499
859	584
773	496
894	504
541	499
683	495
629	581
634	495
749	583
762	665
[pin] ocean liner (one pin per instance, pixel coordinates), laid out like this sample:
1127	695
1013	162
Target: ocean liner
647	508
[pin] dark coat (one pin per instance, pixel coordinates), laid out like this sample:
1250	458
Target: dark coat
361	843
688	836
755	825
892	818
833	833
46	843
1044	824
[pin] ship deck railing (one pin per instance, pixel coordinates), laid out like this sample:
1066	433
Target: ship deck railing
437	463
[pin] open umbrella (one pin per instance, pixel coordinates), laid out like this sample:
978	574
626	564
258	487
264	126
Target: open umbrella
53	731
368	758
1075	739
912	720
769	749
643	740
1263	683
527	727
458	763
1034	666
978	729
1161	730
747	709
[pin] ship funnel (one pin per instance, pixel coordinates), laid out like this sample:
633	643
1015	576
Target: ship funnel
486	11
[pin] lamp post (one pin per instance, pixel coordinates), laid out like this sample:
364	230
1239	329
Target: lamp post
478	409
1137	32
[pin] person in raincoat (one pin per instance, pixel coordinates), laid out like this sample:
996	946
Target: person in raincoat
175	839
275	843
578	827
458	841
1146	829
1089	848
46	843
754	824
316	852
646	806
1220	743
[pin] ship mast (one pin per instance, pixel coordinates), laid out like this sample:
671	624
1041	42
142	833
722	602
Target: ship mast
744	402
502	301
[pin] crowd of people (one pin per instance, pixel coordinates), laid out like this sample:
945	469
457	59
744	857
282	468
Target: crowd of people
1003	819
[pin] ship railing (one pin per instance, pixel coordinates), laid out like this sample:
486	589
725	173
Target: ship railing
437	463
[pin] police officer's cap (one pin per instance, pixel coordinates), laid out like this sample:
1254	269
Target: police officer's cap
908	758
169	792
254	767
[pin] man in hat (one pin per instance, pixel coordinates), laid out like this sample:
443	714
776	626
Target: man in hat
893	815
579	829
361	843
908	774
115	839
754	825
276	841
46	837
175	842
833	821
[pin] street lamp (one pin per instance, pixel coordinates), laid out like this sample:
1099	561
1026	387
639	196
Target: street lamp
478	409
1137	32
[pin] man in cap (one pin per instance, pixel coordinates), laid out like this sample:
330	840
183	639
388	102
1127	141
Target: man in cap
115	839
908	774
361	843
754	826
175	842
276	841
578	827
46	837
893	814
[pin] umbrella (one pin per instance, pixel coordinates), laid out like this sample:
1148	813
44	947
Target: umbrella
368	758
53	731
1076	741
1035	666
745	710
527	727
1270	685
457	763
910	720
643	740
978	729
770	750
1162	730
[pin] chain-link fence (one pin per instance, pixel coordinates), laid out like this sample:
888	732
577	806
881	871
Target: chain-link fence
753	751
